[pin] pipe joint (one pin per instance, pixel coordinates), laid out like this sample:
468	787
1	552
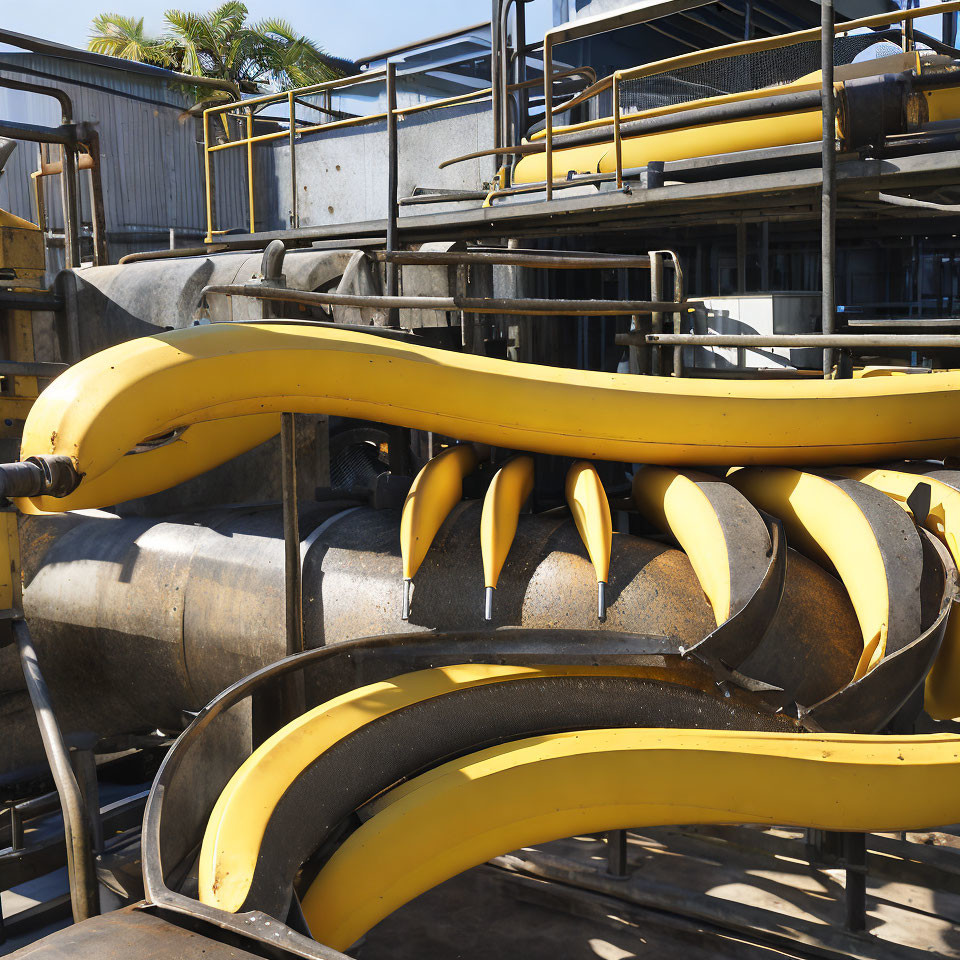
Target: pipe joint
53	476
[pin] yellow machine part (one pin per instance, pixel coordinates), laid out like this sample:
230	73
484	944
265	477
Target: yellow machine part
705	140
591	513
752	133
199	448
532	791
103	406
435	491
509	490
674	503
239	819
830	528
897	63
942	688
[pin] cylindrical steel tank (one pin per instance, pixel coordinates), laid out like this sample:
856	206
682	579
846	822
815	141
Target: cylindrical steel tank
138	620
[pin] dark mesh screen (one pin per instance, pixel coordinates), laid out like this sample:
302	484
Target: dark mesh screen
751	71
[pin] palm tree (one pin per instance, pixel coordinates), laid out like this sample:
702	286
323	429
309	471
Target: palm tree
118	36
221	44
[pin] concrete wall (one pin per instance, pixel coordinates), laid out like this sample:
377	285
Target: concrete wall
342	175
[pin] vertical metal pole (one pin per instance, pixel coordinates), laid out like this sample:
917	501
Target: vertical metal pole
291	534
84	892
97	209
617	853
393	315
495	43
71	216
855	855
548	110
520	75
828	192
294	198
656	319
208	185
253	228
617	140
748	21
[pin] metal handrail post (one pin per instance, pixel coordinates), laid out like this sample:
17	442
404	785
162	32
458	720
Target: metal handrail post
84	892
253	228
294	199
392	269
828	188
207	178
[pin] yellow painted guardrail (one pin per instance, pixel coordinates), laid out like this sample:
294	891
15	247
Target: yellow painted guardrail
703	56
290	97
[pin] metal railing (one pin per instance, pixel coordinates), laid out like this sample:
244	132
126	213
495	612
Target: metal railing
614	81
250	107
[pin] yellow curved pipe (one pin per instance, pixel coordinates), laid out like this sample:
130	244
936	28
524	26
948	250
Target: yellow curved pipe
201	447
236	827
103	406
509	490
435	491
591	513
543	788
823	522
780	130
941	697
674	503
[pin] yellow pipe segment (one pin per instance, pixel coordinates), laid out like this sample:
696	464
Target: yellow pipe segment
435	491
199	448
509	490
591	513
942	687
826	524
103	406
237	824
539	789
675	504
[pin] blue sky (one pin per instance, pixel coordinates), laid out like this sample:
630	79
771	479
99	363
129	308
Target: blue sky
351	29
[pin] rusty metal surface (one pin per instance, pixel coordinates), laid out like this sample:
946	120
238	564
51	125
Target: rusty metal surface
869	703
132	932
181	800
156	617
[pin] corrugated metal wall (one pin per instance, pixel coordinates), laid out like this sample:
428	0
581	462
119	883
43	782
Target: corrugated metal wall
151	154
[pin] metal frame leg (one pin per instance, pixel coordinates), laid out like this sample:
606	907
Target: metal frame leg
84	892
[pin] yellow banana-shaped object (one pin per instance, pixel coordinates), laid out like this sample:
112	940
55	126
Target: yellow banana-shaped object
197	449
942	688
532	791
591	513
103	406
723	535
436	490
237	825
509	490
876	551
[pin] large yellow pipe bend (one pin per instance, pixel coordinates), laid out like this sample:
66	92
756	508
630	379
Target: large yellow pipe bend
103	406
532	791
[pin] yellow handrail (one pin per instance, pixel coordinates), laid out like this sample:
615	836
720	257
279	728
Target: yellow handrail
290	95
720	53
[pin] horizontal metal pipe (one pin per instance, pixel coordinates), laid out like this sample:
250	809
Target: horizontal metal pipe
525	307
909	340
18	300
84	891
512	258
27	368
65	134
66	104
718	113
174	254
